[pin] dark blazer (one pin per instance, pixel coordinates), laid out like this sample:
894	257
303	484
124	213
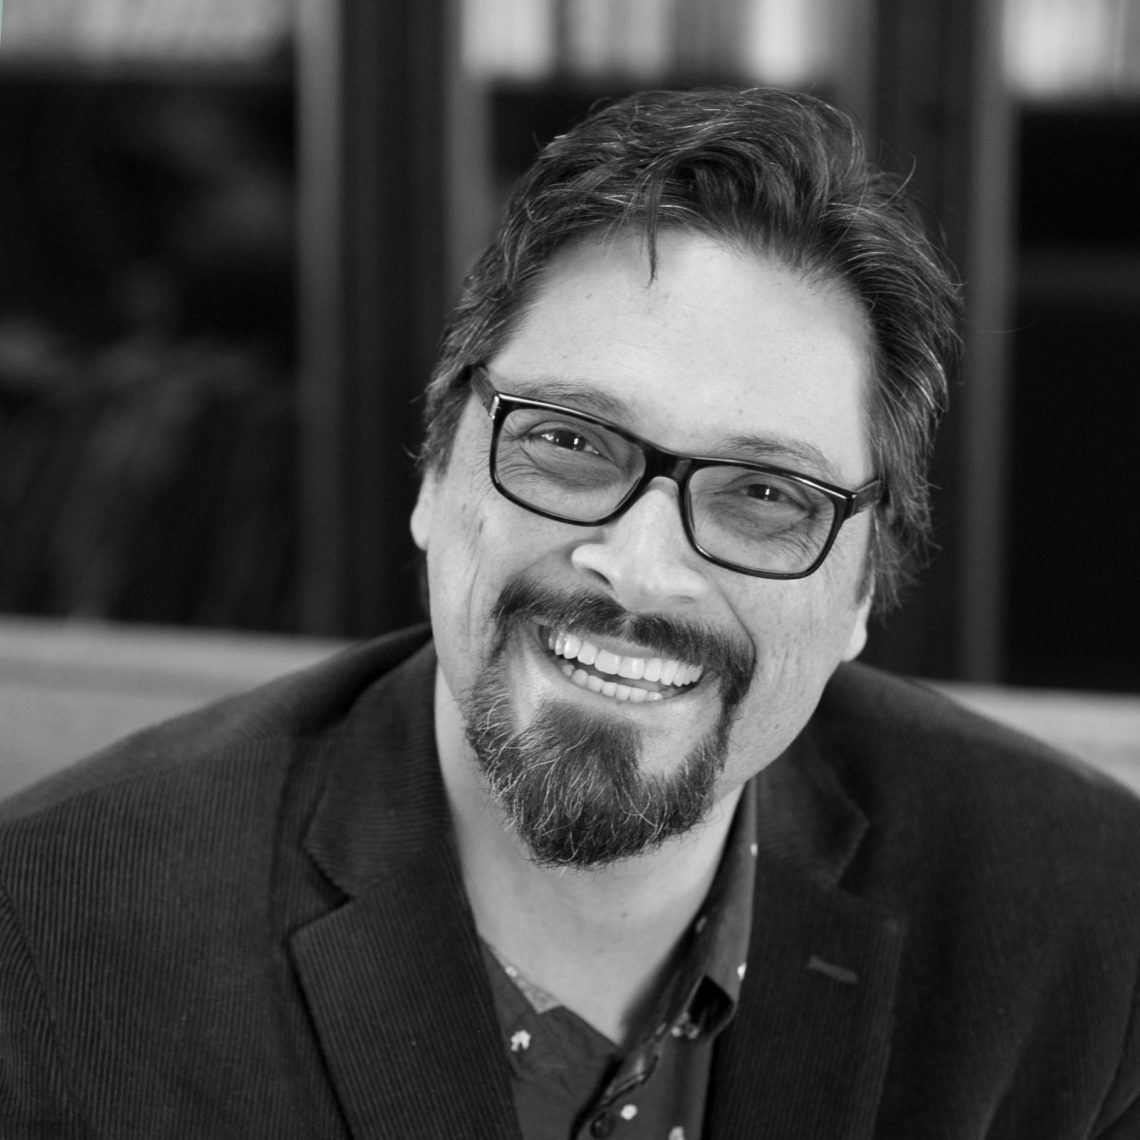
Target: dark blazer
249	922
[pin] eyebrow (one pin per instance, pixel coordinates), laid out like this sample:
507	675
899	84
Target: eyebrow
584	396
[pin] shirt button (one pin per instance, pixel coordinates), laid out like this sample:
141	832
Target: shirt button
602	1124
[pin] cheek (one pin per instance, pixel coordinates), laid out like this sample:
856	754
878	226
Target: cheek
478	542
803	626
458	594
801	631
457	549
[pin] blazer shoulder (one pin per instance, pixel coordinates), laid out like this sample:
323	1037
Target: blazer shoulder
895	737
180	753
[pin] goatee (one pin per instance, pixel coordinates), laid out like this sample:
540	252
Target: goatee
571	782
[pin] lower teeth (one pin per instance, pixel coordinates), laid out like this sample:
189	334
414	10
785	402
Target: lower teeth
613	689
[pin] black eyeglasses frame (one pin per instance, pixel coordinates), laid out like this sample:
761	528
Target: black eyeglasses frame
662	463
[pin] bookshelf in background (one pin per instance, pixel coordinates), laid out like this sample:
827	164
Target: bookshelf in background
221	285
147	421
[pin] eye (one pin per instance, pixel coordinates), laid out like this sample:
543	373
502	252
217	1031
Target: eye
766	492
565	447
569	438
742	504
760	490
570	441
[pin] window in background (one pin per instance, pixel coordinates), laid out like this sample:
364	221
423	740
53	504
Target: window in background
789	42
207	31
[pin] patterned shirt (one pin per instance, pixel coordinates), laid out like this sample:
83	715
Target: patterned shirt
572	1083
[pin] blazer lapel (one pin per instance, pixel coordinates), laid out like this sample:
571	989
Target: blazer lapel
394	977
399	999
807	1051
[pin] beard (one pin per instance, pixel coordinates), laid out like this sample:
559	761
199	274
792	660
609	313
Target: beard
571	782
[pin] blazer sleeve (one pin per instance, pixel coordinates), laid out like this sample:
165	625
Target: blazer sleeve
35	1103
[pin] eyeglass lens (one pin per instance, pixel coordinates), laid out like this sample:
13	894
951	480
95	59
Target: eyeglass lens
582	472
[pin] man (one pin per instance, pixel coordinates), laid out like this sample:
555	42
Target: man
626	845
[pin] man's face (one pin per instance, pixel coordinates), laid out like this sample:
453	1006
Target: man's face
724	353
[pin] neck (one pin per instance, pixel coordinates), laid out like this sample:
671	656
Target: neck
601	940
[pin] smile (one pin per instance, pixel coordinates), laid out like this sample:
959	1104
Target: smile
623	678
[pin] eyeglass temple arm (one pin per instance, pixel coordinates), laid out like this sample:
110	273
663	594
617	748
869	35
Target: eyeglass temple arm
866	496
482	387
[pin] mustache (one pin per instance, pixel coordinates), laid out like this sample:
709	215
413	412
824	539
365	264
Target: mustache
588	613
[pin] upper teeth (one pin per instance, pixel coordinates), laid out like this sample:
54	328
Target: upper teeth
666	671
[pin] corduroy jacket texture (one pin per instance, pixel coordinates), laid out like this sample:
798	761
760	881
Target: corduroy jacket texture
249	923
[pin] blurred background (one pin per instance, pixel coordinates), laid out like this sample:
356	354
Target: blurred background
229	233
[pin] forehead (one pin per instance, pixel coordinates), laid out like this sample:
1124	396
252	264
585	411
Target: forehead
721	348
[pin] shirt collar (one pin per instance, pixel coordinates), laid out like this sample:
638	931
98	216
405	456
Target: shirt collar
706	987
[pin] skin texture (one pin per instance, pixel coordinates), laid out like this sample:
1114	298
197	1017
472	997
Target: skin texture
722	344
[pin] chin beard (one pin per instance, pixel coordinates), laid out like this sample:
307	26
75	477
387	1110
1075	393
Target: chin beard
570	782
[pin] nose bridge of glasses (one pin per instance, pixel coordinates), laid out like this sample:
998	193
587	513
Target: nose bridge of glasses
649	551
660	463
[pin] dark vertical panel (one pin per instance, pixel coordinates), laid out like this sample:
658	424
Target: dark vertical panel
942	112
372	287
1075	614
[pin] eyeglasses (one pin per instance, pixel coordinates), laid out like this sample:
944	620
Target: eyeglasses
576	468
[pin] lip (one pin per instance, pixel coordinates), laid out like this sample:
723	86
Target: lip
620	674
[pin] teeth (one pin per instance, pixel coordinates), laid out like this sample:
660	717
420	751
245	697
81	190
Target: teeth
595	684
669	673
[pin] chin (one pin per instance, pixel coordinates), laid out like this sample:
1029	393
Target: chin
574	784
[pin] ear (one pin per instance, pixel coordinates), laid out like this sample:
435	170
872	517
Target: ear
857	641
423	514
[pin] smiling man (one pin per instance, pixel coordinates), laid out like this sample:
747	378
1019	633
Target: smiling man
625	843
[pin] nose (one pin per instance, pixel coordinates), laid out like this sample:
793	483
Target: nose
642	557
